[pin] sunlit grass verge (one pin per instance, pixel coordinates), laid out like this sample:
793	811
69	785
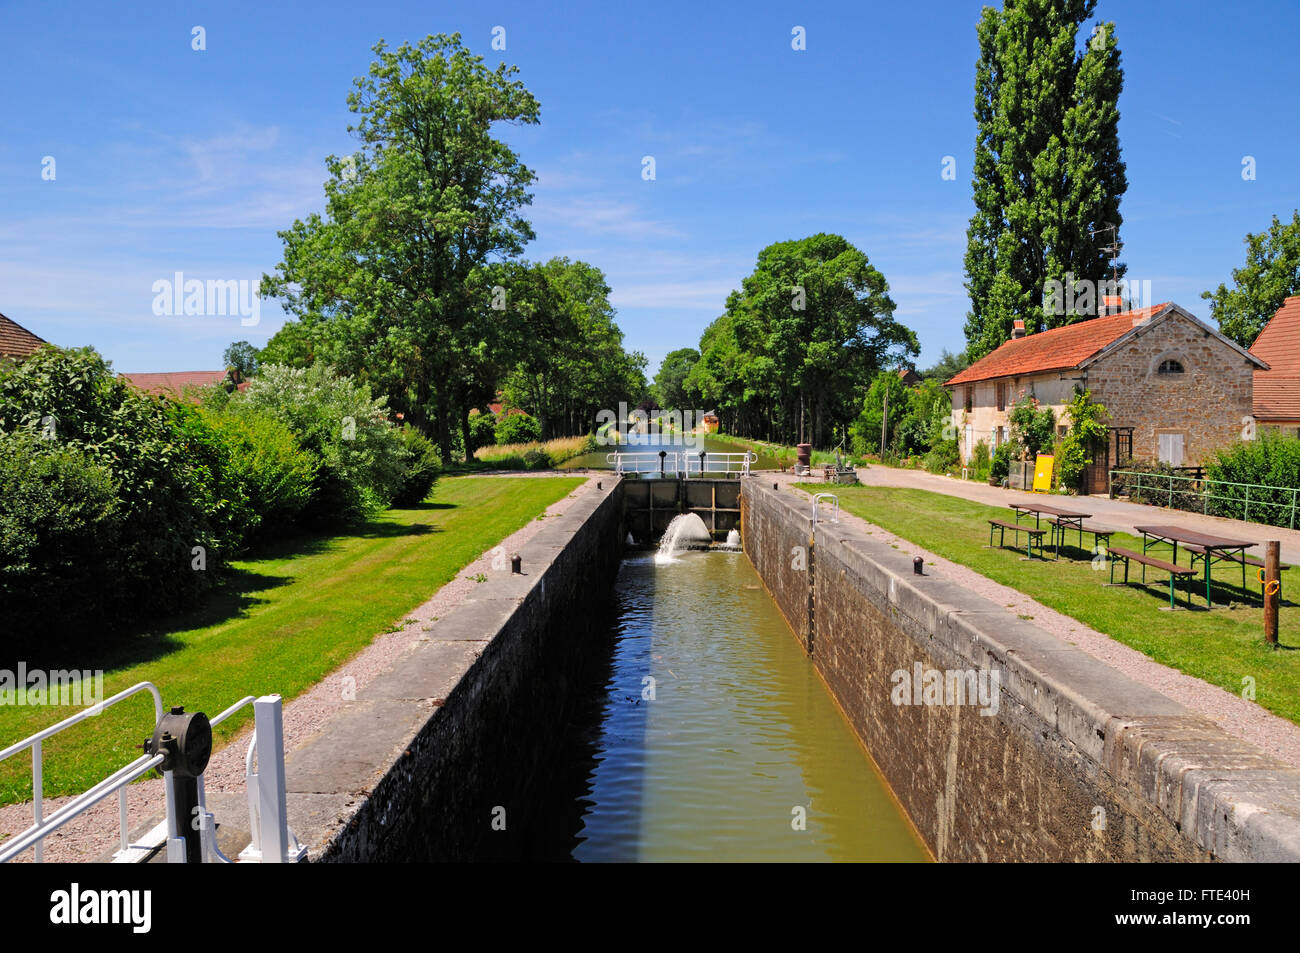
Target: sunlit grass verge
284	620
1224	646
536	455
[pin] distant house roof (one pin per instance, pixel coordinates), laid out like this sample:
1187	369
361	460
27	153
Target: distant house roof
1277	390
1077	345
175	383
908	376
16	341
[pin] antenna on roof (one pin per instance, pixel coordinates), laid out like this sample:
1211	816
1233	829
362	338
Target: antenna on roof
1111	250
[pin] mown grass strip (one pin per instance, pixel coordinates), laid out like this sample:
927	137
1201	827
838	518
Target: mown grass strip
282	622
1224	646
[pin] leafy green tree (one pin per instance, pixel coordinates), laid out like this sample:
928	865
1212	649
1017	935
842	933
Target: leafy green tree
669	389
1047	169
569	360
517	428
866	430
381	281
242	356
1271	274
947	367
789	357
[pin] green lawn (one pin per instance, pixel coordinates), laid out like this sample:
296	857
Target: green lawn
1222	646
283	621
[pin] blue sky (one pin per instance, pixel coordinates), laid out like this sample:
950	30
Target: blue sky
172	160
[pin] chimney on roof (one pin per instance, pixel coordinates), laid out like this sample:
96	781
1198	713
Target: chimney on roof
1018	329
1111	304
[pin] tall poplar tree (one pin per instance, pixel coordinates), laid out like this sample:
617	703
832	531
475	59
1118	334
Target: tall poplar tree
1047	172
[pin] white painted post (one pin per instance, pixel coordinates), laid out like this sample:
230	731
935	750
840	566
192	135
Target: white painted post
273	806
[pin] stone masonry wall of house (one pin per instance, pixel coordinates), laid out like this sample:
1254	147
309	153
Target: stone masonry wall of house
1209	404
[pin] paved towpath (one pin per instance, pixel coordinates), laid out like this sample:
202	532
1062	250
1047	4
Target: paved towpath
1237	716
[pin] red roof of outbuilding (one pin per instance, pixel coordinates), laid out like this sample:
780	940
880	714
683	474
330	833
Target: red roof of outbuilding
1277	390
16	341
1057	349
174	383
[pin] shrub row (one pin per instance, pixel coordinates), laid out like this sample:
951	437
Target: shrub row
114	502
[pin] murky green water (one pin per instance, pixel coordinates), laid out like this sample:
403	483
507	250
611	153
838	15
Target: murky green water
739	744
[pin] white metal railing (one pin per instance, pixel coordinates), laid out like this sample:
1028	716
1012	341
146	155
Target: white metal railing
683	462
719	462
267	798
42	826
643	462
835	516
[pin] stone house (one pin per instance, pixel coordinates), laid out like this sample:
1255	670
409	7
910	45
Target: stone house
1277	390
1175	388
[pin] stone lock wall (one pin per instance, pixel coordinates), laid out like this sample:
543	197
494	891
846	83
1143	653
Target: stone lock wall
1210	403
461	731
1076	763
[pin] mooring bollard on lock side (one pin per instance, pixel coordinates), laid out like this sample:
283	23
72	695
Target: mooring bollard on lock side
516	565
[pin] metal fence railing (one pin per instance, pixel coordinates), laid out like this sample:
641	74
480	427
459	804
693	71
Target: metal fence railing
1250	502
267	798
682	463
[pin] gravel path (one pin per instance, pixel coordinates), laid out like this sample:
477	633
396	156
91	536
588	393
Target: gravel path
1236	715
93	834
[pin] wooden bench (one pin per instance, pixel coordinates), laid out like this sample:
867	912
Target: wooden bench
1034	535
1244	558
1100	535
1129	555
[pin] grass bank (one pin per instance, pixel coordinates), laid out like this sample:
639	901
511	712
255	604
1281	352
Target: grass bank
535	456
284	620
1223	646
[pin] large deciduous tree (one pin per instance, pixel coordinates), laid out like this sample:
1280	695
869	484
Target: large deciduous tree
1047	173
1270	276
798	345
381	282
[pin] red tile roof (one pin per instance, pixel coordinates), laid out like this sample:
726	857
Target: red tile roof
1057	349
174	383
1277	397
16	341
1277	390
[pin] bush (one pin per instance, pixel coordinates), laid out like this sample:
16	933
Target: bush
1271	460
1001	465
275	474
360	458
60	522
482	432
981	461
1033	429
943	457
537	459
422	466
176	497
517	428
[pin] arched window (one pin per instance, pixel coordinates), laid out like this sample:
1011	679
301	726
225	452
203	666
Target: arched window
1169	366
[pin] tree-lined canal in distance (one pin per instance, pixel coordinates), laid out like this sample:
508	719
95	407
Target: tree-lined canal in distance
739	743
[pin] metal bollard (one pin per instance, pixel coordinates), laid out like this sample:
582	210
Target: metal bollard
185	742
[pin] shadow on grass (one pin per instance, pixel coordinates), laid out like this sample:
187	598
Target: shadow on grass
115	643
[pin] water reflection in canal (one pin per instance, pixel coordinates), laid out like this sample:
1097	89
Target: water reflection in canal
739	741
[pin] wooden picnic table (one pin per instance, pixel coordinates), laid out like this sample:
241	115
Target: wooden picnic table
1064	519
1173	535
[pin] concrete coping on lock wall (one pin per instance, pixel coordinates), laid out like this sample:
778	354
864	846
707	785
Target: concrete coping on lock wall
412	732
1232	800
